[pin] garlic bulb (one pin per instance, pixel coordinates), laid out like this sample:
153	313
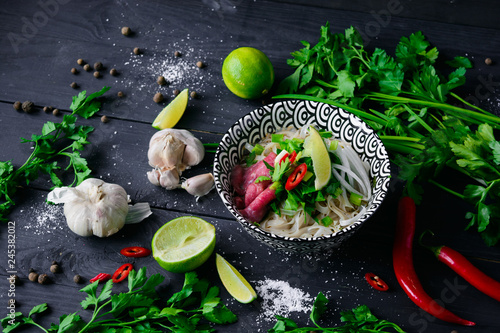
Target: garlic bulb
171	151
97	208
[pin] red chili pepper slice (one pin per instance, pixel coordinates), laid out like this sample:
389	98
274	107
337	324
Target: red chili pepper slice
122	272
283	158
101	277
291	157
402	256
376	282
135	252
296	177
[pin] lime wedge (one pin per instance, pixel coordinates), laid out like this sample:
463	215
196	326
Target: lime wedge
172	113
315	147
234	282
183	244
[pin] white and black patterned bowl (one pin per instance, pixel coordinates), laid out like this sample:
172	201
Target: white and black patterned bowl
298	113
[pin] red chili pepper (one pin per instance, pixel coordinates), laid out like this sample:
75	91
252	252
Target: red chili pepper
468	271
283	158
376	282
403	265
296	177
101	277
122	272
291	157
135	252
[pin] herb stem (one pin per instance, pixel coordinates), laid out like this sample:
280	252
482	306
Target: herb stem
469	104
478	117
432	181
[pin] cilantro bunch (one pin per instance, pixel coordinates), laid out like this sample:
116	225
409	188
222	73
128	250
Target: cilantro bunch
193	309
58	140
408	102
358	320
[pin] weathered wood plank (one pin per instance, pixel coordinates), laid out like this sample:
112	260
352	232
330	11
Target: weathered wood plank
42	236
454	12
117	154
210	37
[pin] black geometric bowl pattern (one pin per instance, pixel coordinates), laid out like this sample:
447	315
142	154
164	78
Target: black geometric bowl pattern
299	113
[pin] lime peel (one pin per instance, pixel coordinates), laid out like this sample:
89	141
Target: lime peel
235	284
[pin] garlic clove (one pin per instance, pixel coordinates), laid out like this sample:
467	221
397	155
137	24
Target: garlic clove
193	154
199	185
154	177
169	179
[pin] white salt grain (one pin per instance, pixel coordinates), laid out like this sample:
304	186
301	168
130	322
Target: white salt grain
279	298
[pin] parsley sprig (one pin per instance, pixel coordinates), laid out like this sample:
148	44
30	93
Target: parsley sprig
195	308
408	102
359	319
57	140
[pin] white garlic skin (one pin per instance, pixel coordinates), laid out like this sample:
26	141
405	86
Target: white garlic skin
199	185
100	208
171	151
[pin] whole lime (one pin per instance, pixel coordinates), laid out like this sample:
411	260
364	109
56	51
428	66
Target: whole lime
248	73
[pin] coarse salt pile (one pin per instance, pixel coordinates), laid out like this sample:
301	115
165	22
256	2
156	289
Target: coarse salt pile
279	298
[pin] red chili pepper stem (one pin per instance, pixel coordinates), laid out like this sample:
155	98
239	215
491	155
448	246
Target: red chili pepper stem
404	269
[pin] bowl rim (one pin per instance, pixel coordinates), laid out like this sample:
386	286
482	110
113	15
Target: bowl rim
254	228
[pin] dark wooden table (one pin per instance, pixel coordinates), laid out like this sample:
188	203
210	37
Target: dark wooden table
41	42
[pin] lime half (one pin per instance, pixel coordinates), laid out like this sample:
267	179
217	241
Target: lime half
183	244
172	113
315	147
234	282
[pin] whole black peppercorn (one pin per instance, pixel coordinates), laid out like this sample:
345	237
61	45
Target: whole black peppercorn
27	106
176	92
120	94
126	31
97	74
77	279
55	268
74	70
200	64
104	119
87	68
177	54
80	62
158	98
55	112
33	277
161	80
17	105
137	50
193	94
98	66
43	279
113	71
73	85
488	61
47	109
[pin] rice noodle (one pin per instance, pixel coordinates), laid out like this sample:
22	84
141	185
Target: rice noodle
352	174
